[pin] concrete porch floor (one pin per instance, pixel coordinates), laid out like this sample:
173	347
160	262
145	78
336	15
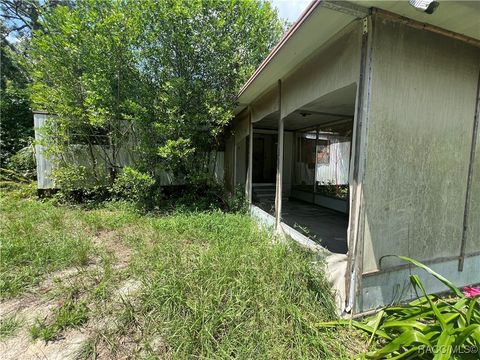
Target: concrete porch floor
324	226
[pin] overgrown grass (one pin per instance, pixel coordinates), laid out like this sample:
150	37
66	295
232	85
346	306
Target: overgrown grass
218	286
37	238
212	284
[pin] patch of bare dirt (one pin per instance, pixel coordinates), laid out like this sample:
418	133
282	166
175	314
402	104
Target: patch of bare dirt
38	304
114	244
23	347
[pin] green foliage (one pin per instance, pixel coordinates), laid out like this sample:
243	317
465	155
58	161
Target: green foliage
210	284
70	177
16	125
150	81
429	327
237	202
40	330
217	286
133	185
175	153
330	188
23	162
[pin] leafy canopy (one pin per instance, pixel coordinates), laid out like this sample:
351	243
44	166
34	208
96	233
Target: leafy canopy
154	80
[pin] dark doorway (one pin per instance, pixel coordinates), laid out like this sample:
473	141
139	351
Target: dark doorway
264	158
258	158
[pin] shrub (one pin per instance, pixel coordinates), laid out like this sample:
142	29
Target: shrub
135	186
23	162
70	177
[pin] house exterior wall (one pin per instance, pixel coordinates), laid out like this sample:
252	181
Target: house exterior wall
229	178
419	130
265	105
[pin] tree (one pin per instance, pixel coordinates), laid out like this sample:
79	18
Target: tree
155	77
18	18
16	125
197	54
21	17
84	70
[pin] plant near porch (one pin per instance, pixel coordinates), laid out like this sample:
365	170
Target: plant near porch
429	327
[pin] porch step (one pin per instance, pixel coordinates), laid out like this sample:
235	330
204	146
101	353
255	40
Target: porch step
264	192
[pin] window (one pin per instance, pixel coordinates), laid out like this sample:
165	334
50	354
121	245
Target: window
323	152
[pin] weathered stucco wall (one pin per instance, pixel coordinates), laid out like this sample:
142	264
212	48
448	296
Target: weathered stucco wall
334	66
423	96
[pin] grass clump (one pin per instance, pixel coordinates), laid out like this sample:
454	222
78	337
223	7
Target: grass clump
37	238
9	326
69	315
218	286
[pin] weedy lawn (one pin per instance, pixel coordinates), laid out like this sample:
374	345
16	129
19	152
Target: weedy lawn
109	282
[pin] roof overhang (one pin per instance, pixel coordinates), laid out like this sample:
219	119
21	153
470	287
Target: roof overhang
323	19
317	24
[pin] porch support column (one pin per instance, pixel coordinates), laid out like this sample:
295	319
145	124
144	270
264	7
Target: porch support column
315	168
468	201
278	193
249	187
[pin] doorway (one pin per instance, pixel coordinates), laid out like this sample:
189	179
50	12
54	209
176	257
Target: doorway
264	158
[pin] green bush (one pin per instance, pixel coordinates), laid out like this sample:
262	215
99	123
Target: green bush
70	177
23	162
135	186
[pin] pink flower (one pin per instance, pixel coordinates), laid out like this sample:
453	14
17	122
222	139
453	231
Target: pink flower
471	292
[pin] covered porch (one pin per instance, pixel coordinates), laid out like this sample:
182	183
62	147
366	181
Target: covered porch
315	162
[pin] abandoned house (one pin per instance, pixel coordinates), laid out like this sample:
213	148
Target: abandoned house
358	136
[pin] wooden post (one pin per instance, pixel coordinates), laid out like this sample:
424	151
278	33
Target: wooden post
249	188
467	210
353	277
234	166
278	193
315	166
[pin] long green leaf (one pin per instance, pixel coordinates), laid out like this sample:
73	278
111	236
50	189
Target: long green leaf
465	333
471	307
415	279
404	324
443	346
404	340
435	274
378	320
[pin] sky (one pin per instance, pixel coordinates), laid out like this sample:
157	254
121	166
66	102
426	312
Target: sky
290	10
